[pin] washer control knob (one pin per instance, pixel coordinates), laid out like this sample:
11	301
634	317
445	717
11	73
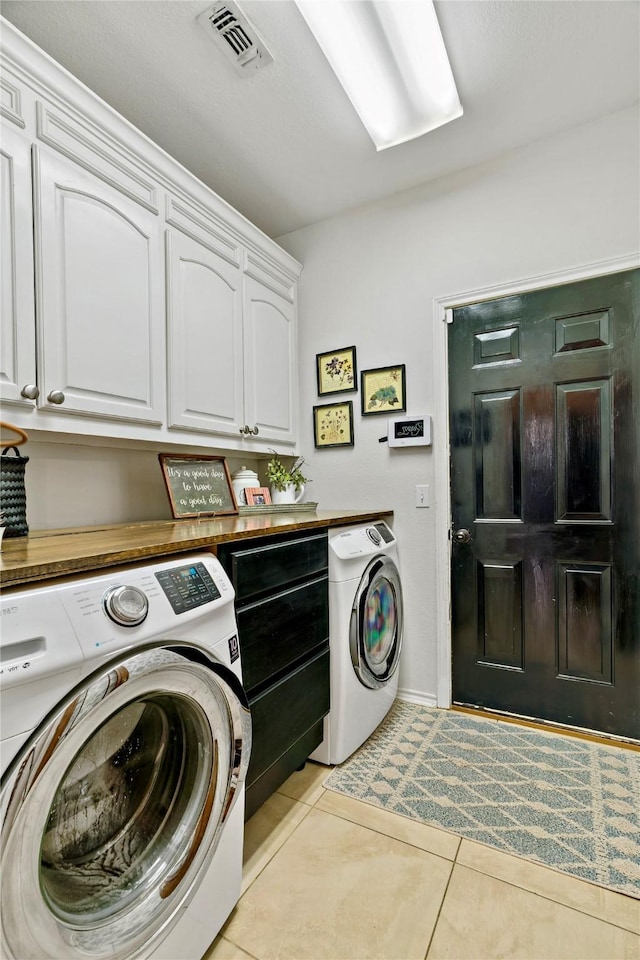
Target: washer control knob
126	606
374	536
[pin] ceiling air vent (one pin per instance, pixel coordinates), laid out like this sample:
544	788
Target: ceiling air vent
236	35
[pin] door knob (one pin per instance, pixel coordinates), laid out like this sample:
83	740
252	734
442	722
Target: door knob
462	536
56	396
30	391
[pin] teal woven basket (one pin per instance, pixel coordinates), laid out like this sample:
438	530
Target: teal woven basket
13	497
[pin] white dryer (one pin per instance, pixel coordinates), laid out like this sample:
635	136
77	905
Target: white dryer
125	742
365	636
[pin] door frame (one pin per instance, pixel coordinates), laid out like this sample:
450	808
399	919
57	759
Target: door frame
442	316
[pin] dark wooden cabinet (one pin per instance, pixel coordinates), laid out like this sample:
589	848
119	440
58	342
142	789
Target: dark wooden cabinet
282	608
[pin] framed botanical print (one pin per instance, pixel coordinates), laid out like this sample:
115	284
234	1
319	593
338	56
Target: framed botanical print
336	371
333	425
383	390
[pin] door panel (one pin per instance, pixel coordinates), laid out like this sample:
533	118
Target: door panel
498	482
584	450
545	405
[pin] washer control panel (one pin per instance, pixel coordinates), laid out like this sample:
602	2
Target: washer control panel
136	604
127	606
187	587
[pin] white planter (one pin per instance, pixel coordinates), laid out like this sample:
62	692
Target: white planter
288	495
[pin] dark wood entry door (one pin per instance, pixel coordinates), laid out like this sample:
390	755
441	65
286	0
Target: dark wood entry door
545	475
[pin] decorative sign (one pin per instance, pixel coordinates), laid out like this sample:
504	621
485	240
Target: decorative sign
198	486
409	432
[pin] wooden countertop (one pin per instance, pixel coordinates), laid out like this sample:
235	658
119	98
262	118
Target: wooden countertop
55	553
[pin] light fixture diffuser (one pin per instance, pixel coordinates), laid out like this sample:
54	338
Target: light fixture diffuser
390	58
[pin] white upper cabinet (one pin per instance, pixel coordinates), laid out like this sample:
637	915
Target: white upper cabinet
231	345
269	358
204	312
136	303
100	303
17	317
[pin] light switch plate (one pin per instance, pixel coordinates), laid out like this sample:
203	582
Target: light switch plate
422	495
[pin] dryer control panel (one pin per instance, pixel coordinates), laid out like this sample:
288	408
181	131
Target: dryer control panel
362	541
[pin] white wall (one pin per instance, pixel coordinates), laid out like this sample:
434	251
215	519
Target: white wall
370	279
72	482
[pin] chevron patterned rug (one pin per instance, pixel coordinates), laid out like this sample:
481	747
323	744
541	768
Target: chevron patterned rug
568	803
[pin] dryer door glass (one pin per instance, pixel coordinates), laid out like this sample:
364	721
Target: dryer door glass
379	624
113	810
376	623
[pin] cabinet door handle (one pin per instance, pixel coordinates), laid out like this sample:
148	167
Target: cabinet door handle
255	431
56	396
30	391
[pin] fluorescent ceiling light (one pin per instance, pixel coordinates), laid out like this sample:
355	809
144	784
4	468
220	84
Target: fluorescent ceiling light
390	58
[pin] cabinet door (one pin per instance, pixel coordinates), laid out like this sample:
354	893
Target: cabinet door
269	363
204	338
100	297
17	320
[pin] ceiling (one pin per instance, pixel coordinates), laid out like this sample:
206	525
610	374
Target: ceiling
284	145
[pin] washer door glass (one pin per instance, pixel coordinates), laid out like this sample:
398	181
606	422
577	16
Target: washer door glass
115	810
131	796
376	623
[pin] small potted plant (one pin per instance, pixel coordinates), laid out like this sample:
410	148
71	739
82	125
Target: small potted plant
287	483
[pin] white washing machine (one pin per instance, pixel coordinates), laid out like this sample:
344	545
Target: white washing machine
365	636
125	741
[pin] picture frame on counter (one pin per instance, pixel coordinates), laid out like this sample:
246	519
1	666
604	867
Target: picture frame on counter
383	390
257	496
337	371
333	425
198	486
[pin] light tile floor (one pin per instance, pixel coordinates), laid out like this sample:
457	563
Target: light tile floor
326	876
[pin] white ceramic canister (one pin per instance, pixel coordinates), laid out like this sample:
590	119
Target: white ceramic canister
241	479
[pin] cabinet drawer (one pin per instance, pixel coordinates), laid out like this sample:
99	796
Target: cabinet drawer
258	570
280	630
282	714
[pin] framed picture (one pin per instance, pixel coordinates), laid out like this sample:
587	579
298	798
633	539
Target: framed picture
336	371
383	390
257	496
333	425
197	486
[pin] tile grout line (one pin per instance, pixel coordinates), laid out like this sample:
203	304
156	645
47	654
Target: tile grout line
288	837
560	903
382	833
444	897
